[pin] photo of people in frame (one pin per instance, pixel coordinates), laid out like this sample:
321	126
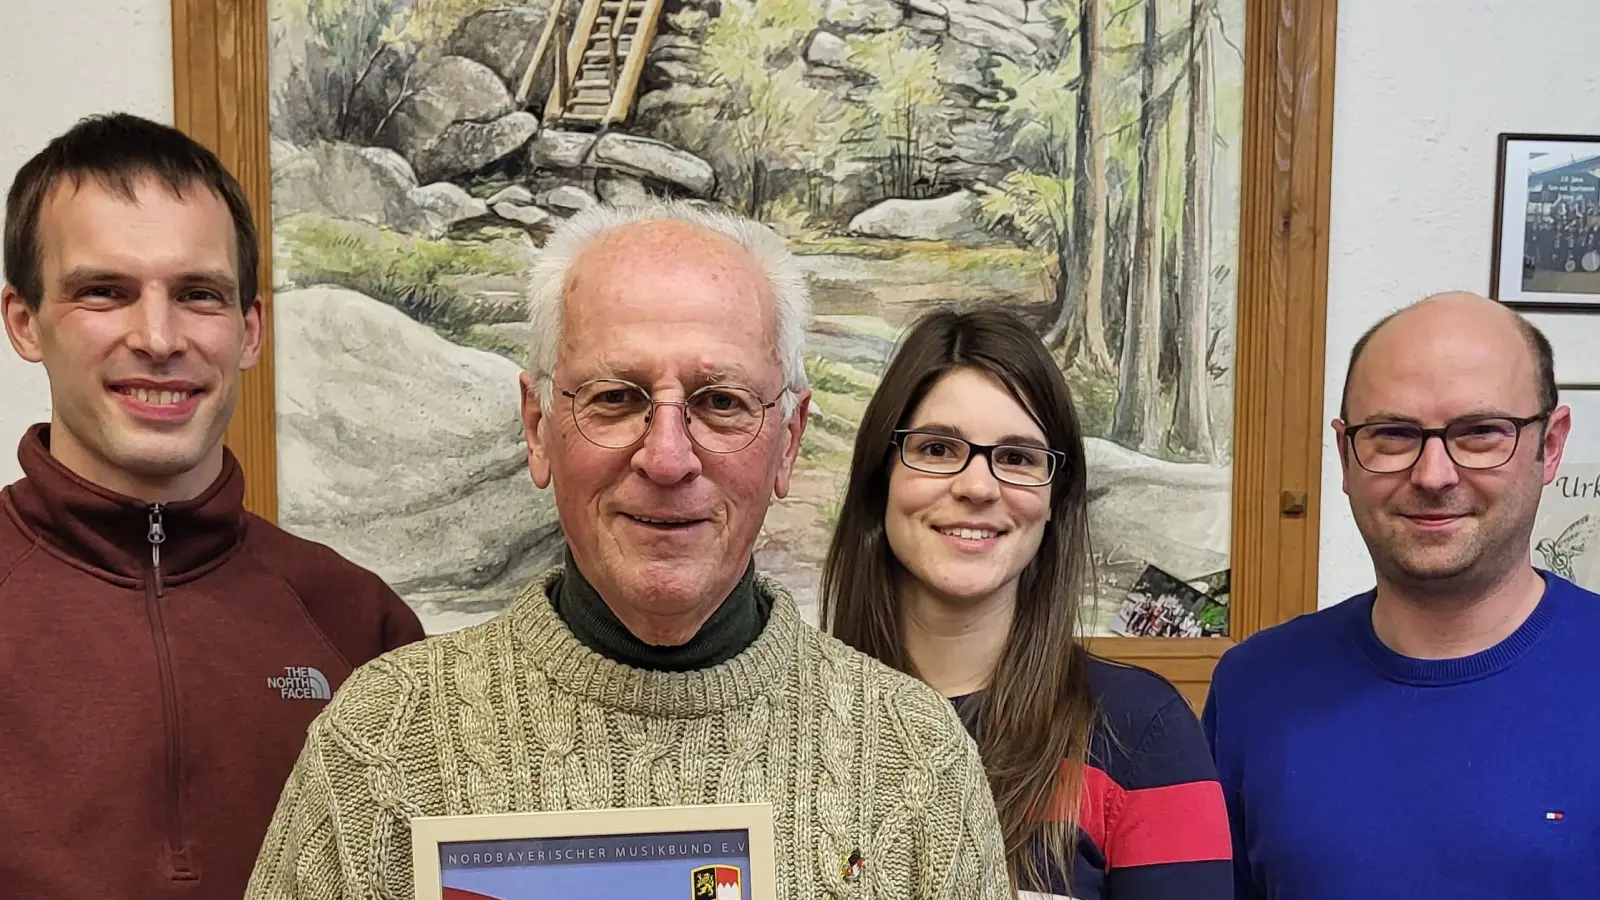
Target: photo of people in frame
1561	244
1546	254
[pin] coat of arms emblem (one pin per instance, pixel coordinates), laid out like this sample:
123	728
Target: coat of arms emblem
717	883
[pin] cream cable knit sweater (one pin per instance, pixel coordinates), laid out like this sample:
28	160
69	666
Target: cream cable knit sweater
517	715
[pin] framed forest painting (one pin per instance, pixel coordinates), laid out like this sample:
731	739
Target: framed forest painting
1143	180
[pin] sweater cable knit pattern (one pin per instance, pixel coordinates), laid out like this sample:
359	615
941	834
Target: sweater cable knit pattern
516	714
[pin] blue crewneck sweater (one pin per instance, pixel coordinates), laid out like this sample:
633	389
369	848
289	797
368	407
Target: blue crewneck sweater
1351	771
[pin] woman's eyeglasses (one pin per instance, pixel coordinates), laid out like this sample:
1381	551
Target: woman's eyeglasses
941	454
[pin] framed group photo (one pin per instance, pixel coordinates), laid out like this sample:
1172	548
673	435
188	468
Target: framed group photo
722	852
1547	223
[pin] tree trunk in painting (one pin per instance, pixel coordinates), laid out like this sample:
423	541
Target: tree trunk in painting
1066	328
1065	333
1088	188
1135	421
1191	415
754	199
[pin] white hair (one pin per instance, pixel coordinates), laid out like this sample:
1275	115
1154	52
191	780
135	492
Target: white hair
548	281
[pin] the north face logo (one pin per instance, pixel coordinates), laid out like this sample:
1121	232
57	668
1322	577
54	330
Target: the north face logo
301	683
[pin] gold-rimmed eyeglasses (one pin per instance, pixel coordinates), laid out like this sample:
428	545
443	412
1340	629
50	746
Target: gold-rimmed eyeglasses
616	414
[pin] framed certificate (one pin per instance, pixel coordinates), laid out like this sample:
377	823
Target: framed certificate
720	852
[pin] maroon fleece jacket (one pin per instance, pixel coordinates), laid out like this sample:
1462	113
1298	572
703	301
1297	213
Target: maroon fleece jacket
158	668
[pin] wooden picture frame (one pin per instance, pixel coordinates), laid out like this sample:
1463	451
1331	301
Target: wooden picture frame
221	81
1507	279
704	841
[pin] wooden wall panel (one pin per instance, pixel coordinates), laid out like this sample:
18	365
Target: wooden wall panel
219	79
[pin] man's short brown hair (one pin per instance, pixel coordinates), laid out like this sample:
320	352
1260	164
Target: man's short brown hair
117	150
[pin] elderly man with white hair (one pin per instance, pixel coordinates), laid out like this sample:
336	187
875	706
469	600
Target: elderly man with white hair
664	403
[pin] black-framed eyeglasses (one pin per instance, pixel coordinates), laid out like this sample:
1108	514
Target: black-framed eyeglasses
1474	442
616	414
942	454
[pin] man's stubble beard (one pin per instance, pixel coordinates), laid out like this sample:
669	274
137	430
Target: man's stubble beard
1423	565
1495	545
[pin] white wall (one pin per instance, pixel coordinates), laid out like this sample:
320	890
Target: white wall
1423	88
66	59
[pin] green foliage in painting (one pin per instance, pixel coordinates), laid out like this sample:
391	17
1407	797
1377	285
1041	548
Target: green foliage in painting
432	21
349	30
830	377
1037	204
1094	393
1041	111
900	119
349	36
1041	115
757	112
411	274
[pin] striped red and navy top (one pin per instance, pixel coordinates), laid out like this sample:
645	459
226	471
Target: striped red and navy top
1152	824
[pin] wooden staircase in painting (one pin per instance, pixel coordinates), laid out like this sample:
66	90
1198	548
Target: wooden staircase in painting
598	68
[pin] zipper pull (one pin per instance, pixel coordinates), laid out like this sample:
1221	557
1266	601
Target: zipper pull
157	535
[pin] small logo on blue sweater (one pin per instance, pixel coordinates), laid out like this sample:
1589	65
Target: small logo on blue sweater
300	683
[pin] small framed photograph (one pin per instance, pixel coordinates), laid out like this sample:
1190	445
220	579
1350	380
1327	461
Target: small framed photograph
722	852
1547	223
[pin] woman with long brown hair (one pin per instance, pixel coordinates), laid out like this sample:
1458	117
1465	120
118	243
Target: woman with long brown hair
961	556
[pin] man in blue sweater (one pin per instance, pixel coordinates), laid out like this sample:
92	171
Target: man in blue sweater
1435	738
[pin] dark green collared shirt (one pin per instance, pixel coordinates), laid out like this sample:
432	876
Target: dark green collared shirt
734	626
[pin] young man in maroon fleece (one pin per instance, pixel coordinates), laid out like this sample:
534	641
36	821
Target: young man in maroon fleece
162	650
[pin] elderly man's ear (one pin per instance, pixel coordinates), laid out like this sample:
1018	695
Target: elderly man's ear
794	430
532	418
